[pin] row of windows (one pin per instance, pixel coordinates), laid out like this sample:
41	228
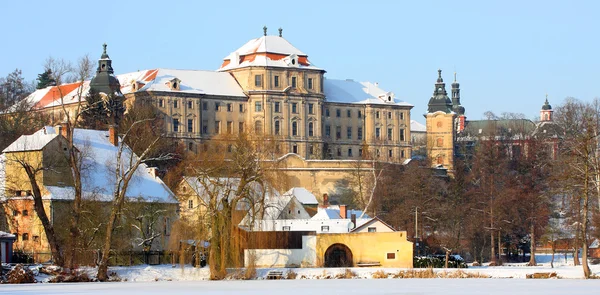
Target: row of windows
205	105
258	81
359	114
277	127
25	237
338	133
360	153
190	126
277	107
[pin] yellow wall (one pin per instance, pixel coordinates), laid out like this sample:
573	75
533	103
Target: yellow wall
440	139
370	247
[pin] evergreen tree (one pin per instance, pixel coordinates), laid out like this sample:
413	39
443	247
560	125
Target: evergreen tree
45	79
13	88
101	111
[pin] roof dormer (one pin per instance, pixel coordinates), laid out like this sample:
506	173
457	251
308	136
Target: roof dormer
387	97
292	60
174	83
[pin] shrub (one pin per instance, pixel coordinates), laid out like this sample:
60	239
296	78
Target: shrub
20	275
291	275
380	274
347	274
415	274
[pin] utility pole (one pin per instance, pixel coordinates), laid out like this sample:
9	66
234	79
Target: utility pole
417	229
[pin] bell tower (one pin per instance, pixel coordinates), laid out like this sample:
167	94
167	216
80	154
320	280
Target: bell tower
440	126
105	80
457	107
546	111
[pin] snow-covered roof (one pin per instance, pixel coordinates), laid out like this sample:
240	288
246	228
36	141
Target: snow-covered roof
417	127
197	82
33	142
303	195
192	81
333	212
269	44
372	221
99	160
5	235
350	91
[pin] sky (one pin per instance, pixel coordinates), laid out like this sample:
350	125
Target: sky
507	54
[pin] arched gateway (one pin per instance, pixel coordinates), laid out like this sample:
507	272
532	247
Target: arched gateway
338	255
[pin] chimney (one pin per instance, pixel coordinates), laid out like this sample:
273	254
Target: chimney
63	129
112	135
353	218
152	171
343	211
325	200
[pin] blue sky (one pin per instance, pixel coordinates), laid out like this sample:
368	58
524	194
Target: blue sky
508	54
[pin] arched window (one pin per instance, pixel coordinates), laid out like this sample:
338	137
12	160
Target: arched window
294	128
310	129
258	127
440	142
25	236
277	127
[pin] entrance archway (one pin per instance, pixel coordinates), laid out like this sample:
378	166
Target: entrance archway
338	255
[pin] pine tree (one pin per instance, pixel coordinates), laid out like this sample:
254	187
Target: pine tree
45	79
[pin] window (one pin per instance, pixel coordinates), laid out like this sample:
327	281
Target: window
161	103
205	106
402	154
241	108
390	154
175	125
294	128
360	152
229	148
326	112
372	229
327	131
295	149
391	256
229	107
349	113
190	104
190	146
190	204
25	213
217	106
286	228
325	228
377	153
217	127
349	152
204	127
229	127
175	104
294	108
276	81
258	127
190	125
257	80
241	127
258	106
349	132
359	114
401	116
25	236
440	142
36	238
338	113
377	132
310	129
311	109
277	107
359	135
277	127
293	82
389	135
311	149
402	134
338	132
389	115
339	152
310	83
377	114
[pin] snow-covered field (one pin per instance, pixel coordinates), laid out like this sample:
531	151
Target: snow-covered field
163	279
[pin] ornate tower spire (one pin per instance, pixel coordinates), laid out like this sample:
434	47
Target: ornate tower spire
456	106
264	30
440	101
280	32
546	112
105	81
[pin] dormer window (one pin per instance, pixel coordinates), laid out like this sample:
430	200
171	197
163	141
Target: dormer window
292	60
174	84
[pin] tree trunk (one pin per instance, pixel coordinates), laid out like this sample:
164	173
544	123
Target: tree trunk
38	206
447	257
584	256
532	247
103	267
553	251
75	213
493	261
499	249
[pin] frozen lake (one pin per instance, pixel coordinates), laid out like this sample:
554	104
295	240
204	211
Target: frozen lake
315	287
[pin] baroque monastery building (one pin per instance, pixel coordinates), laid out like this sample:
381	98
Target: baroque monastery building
266	87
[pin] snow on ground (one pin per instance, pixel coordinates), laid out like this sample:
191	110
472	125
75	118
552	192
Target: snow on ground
316	287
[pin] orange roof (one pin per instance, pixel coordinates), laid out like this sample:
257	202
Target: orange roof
56	92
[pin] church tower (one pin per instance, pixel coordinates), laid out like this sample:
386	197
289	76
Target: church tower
546	112
440	119
457	107
105	80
